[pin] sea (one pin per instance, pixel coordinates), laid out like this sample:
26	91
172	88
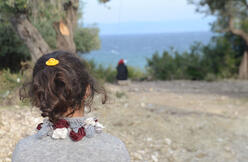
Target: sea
136	48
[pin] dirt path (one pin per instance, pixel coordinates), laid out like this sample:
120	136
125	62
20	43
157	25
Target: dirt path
161	121
185	121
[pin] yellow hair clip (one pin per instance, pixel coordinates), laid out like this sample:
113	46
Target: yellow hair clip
52	62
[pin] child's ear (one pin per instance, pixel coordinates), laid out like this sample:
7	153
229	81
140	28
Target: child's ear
87	92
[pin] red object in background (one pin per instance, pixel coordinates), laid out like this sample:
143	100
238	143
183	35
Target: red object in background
121	62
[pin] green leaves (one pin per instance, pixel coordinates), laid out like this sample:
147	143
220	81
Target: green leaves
224	10
86	39
11	7
12	49
218	59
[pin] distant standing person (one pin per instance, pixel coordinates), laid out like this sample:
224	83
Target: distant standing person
122	72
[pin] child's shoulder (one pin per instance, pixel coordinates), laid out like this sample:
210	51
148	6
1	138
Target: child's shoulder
75	139
102	138
108	140
32	147
110	145
106	137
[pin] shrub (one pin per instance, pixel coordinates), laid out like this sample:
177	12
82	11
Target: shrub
135	73
9	80
173	65
9	86
101	73
12	49
219	59
210	77
109	73
87	39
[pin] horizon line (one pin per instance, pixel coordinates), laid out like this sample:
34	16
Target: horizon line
149	33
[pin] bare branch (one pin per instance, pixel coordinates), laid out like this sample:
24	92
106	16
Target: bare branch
66	42
238	32
30	35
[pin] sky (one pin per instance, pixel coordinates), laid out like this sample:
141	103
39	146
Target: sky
144	16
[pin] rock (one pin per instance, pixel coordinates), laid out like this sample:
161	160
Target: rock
149	139
201	155
136	89
17	106
137	156
168	141
220	140
170	151
126	105
223	98
227	149
154	158
142	104
141	152
173	146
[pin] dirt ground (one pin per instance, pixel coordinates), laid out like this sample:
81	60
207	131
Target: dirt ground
174	121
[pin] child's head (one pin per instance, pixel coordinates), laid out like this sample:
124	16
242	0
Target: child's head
59	88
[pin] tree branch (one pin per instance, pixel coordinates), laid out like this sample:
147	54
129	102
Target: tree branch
238	32
30	35
245	3
66	42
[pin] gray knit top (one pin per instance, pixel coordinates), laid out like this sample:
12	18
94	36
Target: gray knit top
48	146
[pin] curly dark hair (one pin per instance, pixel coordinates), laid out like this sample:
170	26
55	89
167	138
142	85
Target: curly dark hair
56	89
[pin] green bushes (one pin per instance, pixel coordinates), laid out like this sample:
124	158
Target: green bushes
218	59
223	55
173	65
109	73
12	49
135	73
87	39
9	81
9	86
101	73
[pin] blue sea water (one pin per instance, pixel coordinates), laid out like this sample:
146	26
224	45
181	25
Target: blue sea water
136	48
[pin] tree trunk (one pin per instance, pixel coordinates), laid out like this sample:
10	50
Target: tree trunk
243	68
31	36
65	41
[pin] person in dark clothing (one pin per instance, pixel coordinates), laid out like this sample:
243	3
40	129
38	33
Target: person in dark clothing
122	71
